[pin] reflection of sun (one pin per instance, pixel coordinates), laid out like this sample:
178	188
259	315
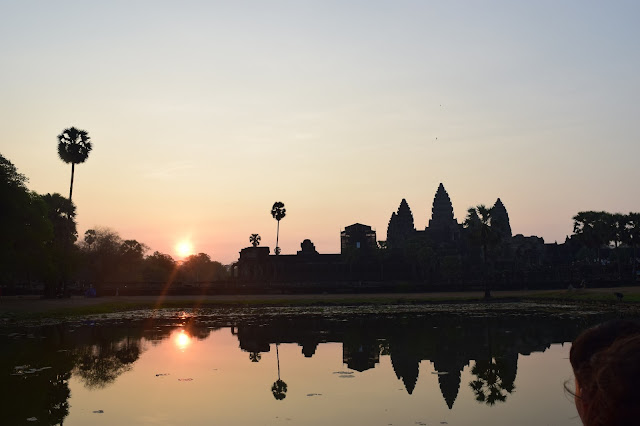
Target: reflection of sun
182	340
184	248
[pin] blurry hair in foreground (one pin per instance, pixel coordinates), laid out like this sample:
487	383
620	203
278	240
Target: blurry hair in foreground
606	365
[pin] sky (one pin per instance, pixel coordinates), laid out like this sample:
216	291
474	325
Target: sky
202	114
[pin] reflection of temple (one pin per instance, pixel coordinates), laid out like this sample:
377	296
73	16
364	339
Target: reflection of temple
405	361
99	353
360	356
449	342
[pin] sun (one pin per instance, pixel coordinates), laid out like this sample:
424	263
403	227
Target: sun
182	340
184	248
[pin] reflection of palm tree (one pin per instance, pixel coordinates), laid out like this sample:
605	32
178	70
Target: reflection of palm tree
494	376
73	147
255	356
278	212
279	388
489	386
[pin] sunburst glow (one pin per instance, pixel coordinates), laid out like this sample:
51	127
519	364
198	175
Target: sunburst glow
182	340
184	248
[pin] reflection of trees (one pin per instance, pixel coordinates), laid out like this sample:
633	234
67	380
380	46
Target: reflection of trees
100	364
42	394
58	396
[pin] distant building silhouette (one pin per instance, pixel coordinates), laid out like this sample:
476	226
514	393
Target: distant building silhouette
307	248
443	254
358	237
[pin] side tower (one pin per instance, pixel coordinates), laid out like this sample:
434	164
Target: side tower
401	226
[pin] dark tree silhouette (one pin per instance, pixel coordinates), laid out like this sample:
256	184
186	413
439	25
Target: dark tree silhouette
159	267
90	238
278	212
478	222
254	239
61	214
74	146
255	356
27	232
616	233
590	228
631	237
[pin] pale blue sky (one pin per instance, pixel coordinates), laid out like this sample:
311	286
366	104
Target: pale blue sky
203	114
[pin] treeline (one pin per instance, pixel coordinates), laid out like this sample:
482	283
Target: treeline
600	230
40	250
602	251
107	259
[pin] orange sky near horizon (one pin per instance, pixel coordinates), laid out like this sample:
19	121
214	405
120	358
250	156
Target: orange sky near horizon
203	115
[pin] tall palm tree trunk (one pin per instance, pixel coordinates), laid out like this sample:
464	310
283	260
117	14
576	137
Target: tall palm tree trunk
67	246
277	236
634	266
73	168
278	358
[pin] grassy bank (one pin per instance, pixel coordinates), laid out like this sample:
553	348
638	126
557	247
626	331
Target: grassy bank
12	309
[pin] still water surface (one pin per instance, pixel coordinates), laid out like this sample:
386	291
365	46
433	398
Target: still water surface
275	367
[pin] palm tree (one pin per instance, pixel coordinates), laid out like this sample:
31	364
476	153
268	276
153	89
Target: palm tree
478	222
278	212
632	236
254	239
74	146
617	228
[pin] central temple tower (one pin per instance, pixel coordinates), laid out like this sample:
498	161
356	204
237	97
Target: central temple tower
443	227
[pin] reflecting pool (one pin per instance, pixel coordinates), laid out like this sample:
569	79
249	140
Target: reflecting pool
336	366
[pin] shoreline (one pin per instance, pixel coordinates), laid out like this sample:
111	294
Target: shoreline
35	307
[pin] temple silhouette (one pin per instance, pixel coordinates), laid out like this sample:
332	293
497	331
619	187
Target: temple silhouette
442	253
